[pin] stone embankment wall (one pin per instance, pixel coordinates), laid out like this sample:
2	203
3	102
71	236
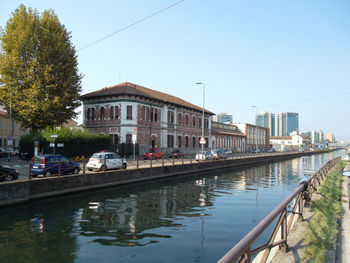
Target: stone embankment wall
17	192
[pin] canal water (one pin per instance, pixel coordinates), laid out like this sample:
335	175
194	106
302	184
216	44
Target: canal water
196	218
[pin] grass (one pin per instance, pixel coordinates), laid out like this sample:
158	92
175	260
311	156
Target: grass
322	229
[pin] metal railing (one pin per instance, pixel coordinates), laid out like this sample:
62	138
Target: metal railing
243	251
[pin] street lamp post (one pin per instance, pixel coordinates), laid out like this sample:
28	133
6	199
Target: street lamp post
256	129
10	130
200	83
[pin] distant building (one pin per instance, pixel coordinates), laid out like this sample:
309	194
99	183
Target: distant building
224	118
330	137
266	119
289	143
256	136
227	137
287	122
16	131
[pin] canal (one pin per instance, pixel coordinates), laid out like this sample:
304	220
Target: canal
192	219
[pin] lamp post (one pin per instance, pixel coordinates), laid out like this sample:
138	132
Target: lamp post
200	83
256	129
10	130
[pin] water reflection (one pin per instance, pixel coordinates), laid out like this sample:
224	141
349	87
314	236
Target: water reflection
193	219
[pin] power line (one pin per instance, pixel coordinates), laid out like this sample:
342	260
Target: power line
131	25
297	101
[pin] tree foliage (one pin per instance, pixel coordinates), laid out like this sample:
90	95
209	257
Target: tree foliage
38	66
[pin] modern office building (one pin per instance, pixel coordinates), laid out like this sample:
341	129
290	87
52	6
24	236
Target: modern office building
287	122
330	137
266	119
224	118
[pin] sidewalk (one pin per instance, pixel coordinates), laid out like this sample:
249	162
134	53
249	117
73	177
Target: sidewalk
343	246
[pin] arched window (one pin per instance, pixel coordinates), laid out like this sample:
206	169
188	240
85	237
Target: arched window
186	120
193	121
179	119
179	141
193	142
199	122
186	141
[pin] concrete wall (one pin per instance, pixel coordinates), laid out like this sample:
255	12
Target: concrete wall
24	191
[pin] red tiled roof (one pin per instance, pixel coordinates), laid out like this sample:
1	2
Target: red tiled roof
128	88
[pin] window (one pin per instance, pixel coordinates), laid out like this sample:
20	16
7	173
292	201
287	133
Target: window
155	115
179	141
199	122
179	119
147	114
111	112
186	141
129	113
193	142
206	142
193	121
186	120
102	113
128	138
170	140
116	112
171	117
116	138
90	114
206	123
151	114
143	113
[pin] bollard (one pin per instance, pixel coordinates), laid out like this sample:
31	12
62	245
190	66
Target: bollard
83	165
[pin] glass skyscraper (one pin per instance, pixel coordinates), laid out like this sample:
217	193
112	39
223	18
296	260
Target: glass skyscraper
287	122
266	119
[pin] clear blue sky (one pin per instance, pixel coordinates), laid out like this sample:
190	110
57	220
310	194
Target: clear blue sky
279	55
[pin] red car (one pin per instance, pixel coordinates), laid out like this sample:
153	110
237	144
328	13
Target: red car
177	154
154	153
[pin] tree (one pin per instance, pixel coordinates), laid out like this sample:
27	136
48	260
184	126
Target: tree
39	67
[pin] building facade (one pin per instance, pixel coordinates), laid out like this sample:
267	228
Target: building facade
227	137
329	137
160	119
267	119
287	122
16	131
256	137
291	143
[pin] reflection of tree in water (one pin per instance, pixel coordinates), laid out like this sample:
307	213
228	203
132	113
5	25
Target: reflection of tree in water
24	243
129	220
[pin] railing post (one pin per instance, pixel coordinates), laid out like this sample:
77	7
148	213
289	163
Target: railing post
162	161
173	160
151	162
137	163
104	164
83	165
29	172
182	159
284	245
59	169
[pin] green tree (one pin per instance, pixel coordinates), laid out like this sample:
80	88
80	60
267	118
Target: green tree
38	66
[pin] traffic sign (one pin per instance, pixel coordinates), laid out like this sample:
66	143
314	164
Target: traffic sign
134	138
202	140
9	138
134	131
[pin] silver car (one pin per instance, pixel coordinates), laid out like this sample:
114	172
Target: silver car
106	160
203	155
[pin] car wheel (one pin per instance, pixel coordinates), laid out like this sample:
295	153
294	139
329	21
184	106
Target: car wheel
102	168
124	166
9	177
76	171
47	174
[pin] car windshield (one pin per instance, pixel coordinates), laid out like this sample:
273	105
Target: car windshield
37	159
96	156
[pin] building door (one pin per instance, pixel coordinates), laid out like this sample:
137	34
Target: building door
153	141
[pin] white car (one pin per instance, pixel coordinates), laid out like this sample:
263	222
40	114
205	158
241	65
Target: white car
113	161
203	156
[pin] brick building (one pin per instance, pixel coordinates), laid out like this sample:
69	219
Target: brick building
16	131
256	136
162	120
227	137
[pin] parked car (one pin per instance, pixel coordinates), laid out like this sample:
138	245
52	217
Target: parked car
154	153
218	154
227	152
256	151
49	164
8	174
271	150
203	156
177	154
106	160
13	151
3	153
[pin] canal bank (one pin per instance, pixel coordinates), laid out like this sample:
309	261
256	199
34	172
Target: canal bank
18	192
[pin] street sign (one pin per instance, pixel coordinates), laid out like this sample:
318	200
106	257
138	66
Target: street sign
134	131
53	136
9	142
60	144
202	140
134	138
10	138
